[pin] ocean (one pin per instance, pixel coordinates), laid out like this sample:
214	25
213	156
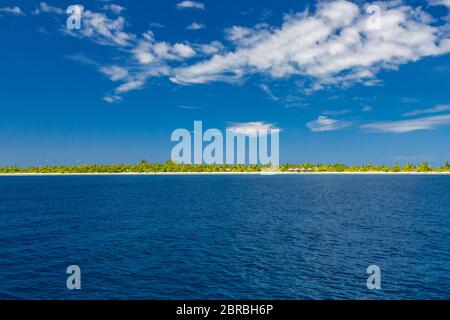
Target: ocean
225	237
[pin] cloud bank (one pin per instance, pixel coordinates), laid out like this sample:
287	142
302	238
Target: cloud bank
331	44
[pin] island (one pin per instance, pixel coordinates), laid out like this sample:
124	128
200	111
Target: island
168	167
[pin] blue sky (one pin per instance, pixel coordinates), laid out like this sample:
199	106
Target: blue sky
113	91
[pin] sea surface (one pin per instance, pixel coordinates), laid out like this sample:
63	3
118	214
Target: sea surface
225	237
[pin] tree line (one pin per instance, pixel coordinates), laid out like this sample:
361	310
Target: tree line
170	166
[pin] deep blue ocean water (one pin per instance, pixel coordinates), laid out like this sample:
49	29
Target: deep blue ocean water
225	237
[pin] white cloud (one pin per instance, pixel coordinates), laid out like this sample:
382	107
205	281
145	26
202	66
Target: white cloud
333	46
436	109
149	51
268	91
324	123
156	25
162	50
143	56
191	5
241	35
81	58
330	45
336	112
115	8
439	2
252	128
403	126
211	48
130	85
195	26
366	109
114	73
112	98
12	10
183	50
150	57
103	30
44	7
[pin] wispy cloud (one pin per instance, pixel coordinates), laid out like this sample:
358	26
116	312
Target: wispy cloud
439	3
12	10
408	100
366	109
115	73
268	91
336	112
191	5
195	26
44	7
252	128
403	126
42	30
324	123
103	30
132	84
115	8
156	25
189	107
149	57
112	98
436	109
81	58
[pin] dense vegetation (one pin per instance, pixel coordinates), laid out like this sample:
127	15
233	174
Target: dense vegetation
170	166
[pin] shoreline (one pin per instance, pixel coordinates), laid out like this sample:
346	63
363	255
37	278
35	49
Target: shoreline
216	173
